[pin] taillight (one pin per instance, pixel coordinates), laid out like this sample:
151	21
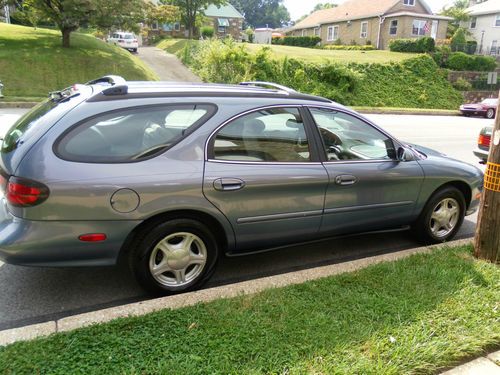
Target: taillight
484	140
22	192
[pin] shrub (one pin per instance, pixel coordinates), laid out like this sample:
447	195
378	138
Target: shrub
207	32
458	40
420	45
297	41
462	84
461	61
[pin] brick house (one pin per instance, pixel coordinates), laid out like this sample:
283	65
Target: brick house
372	22
226	21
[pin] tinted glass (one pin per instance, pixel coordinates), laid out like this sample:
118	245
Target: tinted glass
28	121
130	135
269	135
345	137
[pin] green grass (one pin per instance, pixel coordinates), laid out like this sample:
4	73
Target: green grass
417	315
174	45
32	62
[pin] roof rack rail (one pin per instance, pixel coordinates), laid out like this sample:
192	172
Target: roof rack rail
268	84
111	79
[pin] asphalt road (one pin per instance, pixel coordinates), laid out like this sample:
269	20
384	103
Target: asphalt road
32	295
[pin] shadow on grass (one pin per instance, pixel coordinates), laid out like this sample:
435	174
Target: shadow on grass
415	315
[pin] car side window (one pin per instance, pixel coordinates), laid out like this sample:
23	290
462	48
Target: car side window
267	135
131	134
346	137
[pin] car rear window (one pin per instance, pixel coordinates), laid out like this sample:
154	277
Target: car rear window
25	123
130	135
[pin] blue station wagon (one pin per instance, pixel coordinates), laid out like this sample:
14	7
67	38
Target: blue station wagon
172	176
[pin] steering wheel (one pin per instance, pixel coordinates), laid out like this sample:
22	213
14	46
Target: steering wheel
333	144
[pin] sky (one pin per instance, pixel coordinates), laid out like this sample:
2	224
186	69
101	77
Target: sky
298	8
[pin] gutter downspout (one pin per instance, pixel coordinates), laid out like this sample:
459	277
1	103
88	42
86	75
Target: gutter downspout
380	23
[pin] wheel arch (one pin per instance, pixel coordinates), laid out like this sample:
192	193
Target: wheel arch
209	220
461	186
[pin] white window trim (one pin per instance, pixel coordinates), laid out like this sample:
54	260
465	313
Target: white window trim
417	34
390	27
475	23
333	38
316	31
497	20
303	32
330	30
361	31
409	3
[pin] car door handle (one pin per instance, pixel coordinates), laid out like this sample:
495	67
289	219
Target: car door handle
228	184
345	179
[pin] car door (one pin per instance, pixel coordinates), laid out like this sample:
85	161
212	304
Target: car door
263	173
368	188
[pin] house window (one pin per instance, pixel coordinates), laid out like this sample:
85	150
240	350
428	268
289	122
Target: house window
364	29
473	22
303	32
494	47
223	23
409	2
177	26
316	31
333	33
418	27
393	30
497	21
154	25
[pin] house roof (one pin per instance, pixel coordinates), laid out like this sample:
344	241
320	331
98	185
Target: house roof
351	10
488	7
223	11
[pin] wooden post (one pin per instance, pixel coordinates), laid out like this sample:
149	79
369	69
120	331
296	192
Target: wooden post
487	239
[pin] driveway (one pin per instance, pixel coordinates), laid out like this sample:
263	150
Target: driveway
32	295
167	66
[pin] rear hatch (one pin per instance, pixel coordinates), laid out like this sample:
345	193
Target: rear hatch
28	129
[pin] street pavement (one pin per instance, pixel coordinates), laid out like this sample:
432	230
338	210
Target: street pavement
32	295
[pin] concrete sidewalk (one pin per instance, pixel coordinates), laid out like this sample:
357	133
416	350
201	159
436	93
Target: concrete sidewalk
488	365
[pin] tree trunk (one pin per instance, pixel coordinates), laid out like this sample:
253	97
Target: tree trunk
487	239
66	33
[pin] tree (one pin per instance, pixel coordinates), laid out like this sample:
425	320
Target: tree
191	9
487	239
459	14
319	6
162	13
259	13
69	15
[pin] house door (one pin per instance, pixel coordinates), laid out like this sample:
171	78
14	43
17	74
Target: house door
434	29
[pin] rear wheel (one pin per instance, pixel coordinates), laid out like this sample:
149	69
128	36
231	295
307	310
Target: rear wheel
174	256
490	113
441	217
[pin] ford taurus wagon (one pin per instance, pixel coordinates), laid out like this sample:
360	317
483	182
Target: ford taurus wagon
171	176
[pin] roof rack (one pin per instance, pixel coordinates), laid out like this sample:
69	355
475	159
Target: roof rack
268	84
111	80
118	85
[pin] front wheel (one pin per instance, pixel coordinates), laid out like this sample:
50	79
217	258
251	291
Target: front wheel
441	217
490	113
174	256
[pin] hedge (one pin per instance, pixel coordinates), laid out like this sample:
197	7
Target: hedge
297	41
420	45
461	61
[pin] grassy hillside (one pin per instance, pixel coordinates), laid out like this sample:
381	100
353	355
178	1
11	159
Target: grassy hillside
32	62
307	54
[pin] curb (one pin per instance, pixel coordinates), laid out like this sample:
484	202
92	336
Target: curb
4	105
205	295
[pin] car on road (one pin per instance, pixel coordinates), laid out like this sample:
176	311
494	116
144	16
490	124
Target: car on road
483	143
125	40
487	108
168	177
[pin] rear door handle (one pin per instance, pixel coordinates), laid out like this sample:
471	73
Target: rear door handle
345	179
228	184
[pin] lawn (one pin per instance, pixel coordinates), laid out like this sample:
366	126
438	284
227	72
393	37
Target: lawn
32	62
417	315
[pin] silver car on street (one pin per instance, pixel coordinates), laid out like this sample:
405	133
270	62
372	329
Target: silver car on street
170	177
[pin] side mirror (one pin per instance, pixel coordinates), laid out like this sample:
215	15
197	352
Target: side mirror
404	154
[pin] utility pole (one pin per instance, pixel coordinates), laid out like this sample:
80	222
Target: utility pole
487	240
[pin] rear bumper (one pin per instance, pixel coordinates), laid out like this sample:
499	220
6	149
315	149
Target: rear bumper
481	154
56	244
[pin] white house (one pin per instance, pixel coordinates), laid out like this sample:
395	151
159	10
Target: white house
484	25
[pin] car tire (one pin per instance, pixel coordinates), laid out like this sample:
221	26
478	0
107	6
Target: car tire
184	249
441	217
490	113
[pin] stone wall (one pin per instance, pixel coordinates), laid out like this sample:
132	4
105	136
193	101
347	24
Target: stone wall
478	96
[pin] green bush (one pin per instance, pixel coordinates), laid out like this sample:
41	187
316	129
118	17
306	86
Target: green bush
461	61
462	84
458	40
413	83
420	45
297	41
207	32
367	47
